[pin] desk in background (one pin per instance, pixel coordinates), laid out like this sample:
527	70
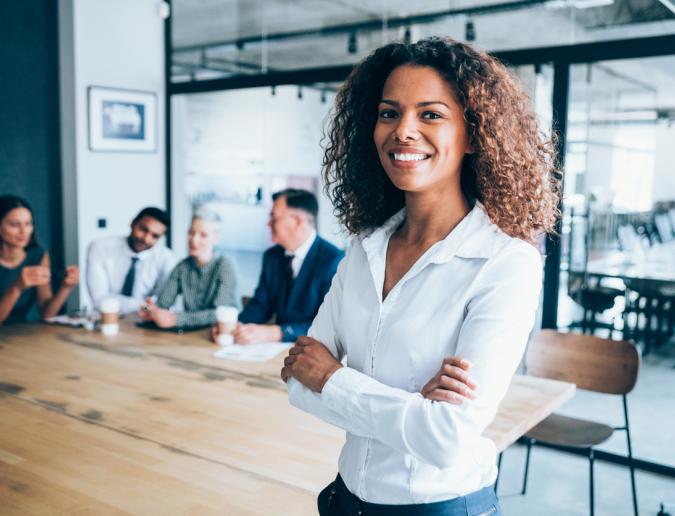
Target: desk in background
150	423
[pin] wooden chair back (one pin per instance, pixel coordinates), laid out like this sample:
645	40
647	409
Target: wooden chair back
592	363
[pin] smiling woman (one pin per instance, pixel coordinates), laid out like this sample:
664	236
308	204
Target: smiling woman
511	168
25	274
436	163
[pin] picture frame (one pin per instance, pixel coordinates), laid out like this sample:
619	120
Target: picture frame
122	120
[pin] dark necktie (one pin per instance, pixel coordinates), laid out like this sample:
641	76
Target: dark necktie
128	286
288	273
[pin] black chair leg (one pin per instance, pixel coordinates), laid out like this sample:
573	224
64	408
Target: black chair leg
499	470
527	465
631	466
591	459
632	479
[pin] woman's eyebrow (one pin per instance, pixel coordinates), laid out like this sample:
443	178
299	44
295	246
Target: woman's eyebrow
419	104
430	102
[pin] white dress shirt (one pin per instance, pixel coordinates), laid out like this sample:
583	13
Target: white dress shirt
108	262
474	294
300	253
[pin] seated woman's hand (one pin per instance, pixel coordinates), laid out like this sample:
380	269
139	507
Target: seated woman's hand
309	362
451	383
145	310
163	318
72	276
33	276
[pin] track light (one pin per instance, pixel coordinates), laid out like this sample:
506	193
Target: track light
323	96
352	44
274	91
470	31
407	36
300	92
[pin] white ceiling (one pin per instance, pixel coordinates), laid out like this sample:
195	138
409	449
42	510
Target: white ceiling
208	22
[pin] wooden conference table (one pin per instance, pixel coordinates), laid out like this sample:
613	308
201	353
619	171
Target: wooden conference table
150	423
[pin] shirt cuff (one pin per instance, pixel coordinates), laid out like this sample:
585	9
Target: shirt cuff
342	389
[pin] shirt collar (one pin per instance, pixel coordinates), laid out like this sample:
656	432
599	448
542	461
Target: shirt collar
143	254
474	237
304	248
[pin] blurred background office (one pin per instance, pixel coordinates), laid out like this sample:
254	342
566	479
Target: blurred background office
232	96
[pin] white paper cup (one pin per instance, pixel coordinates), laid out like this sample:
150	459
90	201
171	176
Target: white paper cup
227	317
110	316
225	339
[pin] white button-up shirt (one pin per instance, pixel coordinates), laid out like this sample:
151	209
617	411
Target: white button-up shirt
108	262
473	294
300	253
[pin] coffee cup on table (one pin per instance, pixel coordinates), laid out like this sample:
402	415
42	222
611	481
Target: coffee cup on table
226	317
110	316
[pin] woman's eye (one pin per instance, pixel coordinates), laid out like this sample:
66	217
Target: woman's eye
387	113
431	115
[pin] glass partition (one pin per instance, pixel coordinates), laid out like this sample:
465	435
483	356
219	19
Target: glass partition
618	261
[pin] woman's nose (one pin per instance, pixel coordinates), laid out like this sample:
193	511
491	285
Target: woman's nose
406	129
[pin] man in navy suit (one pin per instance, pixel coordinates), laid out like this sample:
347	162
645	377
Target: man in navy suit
296	273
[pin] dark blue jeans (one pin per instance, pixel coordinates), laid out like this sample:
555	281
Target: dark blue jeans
337	500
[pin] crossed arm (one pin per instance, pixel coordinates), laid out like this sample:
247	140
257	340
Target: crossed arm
312	364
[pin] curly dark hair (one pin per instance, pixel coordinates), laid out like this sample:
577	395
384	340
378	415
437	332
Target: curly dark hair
512	171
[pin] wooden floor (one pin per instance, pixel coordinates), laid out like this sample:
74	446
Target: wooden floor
149	423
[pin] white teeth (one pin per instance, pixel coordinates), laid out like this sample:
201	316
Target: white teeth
409	157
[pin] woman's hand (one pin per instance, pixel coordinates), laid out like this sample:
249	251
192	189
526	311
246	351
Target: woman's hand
451	383
72	276
309	362
33	276
145	310
163	318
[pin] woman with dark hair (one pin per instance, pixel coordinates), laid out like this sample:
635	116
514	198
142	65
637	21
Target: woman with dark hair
24	266
436	164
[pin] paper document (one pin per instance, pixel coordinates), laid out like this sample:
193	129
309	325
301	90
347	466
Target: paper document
66	320
252	352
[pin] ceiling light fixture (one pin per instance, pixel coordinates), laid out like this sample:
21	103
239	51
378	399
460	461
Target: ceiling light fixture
577	4
300	92
407	36
470	31
323	96
274	90
352	44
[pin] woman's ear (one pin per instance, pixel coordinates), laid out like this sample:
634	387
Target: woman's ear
470	145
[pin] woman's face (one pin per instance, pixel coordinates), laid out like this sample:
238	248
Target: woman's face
420	134
202	237
16	228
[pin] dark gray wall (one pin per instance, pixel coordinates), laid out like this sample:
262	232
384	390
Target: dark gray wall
29	114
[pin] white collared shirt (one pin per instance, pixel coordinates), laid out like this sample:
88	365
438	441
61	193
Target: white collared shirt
473	294
108	262
300	253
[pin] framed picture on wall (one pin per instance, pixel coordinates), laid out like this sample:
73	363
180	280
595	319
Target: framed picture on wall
122	120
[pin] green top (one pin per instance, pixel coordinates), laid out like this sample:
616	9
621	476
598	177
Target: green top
203	289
